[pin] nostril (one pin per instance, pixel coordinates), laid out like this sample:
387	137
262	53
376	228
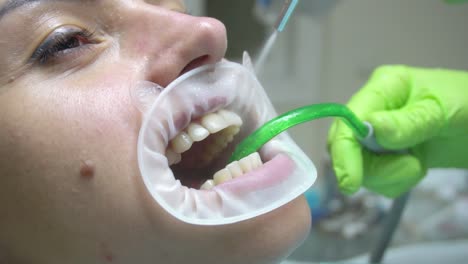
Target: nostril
196	63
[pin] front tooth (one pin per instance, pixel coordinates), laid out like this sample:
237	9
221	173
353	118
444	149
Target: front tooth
209	184
173	157
245	164
230	117
222	176
256	160
213	122
182	142
234	169
197	132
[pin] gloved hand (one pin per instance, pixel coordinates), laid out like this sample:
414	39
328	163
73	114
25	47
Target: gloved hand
424	111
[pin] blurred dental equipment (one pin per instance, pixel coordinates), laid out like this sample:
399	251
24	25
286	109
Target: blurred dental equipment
283	18
277	14
267	10
286	12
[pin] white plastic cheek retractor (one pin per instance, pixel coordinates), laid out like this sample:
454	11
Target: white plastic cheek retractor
196	116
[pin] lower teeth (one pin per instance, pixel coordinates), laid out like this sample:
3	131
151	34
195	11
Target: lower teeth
234	170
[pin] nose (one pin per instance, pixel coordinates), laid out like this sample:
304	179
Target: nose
171	43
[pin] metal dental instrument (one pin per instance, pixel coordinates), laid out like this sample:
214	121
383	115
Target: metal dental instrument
286	12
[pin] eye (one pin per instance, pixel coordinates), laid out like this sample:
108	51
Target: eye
61	43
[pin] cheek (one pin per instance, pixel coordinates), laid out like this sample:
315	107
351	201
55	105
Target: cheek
53	129
81	119
107	105
102	122
95	109
67	147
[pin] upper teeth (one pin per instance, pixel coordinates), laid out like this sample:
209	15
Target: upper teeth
197	132
223	123
182	142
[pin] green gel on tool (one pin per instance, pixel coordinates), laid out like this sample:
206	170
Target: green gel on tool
363	130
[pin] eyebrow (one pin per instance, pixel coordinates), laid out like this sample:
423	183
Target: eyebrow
11	5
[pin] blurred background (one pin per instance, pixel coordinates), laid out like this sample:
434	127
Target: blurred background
326	53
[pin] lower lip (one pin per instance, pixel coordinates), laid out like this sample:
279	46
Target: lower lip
271	173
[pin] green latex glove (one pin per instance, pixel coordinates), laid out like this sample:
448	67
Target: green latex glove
424	111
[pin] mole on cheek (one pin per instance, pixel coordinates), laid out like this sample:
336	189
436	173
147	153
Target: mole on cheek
87	169
105	253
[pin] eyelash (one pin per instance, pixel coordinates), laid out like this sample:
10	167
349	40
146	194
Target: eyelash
62	43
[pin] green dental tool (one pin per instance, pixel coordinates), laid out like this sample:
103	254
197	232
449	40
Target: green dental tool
363	130
364	133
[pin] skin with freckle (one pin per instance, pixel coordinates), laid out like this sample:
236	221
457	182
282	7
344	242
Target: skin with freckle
71	191
87	169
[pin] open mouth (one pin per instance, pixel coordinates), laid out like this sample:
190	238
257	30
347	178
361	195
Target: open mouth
195	153
188	135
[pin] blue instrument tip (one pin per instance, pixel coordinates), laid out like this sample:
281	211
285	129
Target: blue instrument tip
286	12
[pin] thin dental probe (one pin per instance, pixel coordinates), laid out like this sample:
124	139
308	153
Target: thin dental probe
285	14
283	18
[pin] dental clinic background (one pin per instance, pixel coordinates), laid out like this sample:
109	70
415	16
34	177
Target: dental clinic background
326	53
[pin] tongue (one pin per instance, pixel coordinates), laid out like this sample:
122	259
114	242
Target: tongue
190	177
193	183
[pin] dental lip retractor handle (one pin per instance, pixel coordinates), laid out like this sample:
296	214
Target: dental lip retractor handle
364	133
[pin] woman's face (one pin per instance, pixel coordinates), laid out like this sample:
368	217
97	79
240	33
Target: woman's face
71	188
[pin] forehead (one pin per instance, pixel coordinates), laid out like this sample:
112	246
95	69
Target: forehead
8	5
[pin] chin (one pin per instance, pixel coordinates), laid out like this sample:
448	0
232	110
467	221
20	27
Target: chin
290	226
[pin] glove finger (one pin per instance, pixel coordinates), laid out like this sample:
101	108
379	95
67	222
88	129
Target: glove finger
346	157
388	88
410	125
391	174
